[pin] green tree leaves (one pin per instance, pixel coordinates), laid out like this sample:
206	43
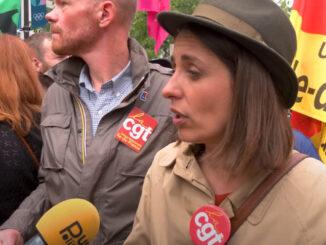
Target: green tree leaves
139	28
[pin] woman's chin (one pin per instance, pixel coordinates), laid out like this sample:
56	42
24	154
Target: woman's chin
188	137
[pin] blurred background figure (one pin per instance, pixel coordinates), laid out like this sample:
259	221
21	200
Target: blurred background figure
20	140
304	145
44	57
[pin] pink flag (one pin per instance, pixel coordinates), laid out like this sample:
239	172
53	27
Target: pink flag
153	7
149	5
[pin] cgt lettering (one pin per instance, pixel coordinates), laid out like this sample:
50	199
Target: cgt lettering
73	235
136	130
206	231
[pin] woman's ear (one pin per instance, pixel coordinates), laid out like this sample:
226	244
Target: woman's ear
107	12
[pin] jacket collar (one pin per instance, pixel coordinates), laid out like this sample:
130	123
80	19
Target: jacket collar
186	166
67	73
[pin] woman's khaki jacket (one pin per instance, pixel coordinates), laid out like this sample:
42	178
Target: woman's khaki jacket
293	213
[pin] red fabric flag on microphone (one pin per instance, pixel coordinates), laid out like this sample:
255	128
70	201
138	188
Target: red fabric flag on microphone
309	112
155	31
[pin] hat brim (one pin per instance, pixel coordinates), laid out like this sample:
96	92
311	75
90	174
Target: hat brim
283	76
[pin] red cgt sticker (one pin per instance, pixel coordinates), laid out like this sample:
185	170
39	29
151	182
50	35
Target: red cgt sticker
136	129
210	225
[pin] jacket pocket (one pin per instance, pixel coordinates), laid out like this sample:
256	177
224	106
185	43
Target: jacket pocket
136	164
55	134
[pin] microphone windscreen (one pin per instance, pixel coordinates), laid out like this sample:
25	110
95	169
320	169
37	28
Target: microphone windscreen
73	221
35	240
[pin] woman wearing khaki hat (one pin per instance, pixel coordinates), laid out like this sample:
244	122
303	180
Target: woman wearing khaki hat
233	176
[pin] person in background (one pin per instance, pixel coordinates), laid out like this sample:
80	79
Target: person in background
20	139
44	58
304	145
230	92
102	122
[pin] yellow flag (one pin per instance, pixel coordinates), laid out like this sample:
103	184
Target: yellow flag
309	20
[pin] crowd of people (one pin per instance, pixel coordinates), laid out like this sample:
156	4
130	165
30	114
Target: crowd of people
167	155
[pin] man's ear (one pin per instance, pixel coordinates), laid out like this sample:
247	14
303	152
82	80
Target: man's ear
107	12
37	64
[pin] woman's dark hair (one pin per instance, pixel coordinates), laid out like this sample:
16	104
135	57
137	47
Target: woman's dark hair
258	135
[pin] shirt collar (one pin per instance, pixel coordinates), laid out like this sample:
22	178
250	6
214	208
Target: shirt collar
85	81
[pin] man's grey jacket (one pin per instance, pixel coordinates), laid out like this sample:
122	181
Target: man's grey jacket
100	169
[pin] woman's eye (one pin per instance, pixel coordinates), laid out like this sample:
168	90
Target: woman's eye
194	74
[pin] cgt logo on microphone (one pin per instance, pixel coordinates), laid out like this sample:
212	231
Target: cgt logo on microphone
74	235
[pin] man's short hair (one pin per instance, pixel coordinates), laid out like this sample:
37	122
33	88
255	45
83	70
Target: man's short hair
127	10
36	43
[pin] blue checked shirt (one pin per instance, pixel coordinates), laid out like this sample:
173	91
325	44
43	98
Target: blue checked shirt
111	95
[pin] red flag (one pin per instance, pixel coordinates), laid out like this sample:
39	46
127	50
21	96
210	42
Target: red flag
309	116
155	31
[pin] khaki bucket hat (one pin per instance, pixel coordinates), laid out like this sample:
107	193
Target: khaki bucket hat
260	26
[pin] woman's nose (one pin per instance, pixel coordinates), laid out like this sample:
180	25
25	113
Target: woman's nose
172	89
